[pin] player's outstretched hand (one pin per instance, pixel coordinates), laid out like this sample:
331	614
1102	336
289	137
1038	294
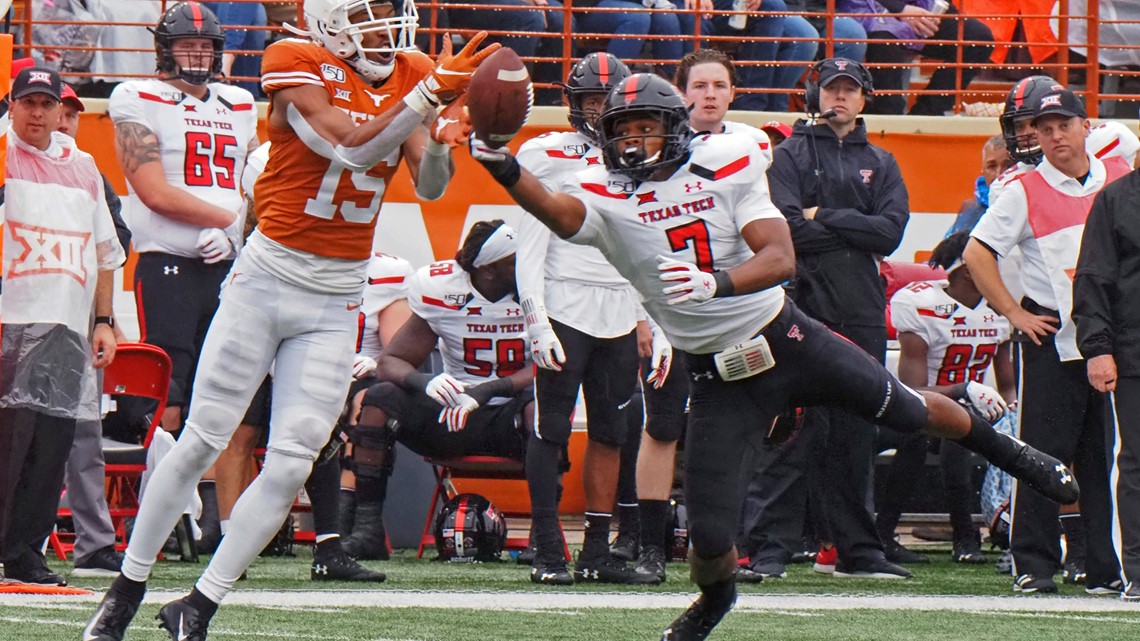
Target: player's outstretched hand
214	245
986	401
452	73
444	389
452	126
545	348
362	366
490	156
691	284
455	416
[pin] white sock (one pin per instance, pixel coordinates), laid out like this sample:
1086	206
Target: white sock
169	491
257	516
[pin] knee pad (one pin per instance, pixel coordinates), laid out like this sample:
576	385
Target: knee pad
383	396
906	409
284	475
711	537
553	428
373	451
665	427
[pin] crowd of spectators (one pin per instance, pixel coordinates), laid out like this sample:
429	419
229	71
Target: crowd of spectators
772	42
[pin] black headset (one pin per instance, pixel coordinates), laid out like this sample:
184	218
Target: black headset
811	83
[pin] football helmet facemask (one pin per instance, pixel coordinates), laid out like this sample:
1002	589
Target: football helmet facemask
597	73
1018	106
330	23
188	20
644	96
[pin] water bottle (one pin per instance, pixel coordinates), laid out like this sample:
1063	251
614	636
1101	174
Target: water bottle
738	20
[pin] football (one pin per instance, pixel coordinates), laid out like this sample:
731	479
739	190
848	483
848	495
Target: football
499	97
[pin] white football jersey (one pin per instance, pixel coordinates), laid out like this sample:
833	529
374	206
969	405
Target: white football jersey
203	146
961	342
479	339
696	215
757	135
387	283
576	280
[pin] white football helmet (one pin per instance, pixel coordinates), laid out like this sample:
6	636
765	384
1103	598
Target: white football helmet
328	23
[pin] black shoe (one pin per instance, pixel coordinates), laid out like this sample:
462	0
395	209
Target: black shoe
31	567
626	546
745	574
182	621
1029	584
551	572
872	570
1074	573
968	551
526	557
698	621
1131	593
112	617
768	568
369	540
1045	474
898	553
102	562
339	566
1112	588
602	568
650	568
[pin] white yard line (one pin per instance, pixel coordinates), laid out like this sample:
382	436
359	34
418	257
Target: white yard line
555	601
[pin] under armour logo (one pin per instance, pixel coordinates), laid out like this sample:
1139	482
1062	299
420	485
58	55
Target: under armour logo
170	269
988	318
514	311
795	333
707	376
1066	478
690	188
590	574
320	568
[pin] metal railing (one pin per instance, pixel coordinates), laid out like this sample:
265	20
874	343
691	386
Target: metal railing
1087	76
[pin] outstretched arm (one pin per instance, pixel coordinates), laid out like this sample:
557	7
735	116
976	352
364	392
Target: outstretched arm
562	213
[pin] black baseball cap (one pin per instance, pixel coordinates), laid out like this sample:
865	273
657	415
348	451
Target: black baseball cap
37	80
1061	102
833	68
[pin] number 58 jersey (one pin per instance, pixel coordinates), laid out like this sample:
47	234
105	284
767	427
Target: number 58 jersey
480	340
961	342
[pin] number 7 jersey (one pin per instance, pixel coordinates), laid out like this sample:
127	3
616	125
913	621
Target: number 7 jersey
961	342
480	340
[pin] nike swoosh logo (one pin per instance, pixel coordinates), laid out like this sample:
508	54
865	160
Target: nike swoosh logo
88	632
351	307
182	636
623	405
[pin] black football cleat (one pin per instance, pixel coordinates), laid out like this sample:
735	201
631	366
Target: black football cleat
551	572
626	547
182	621
603	568
339	566
696	623
1044	473
112	617
650	568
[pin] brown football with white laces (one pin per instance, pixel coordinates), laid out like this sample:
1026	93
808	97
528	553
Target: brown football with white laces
499	97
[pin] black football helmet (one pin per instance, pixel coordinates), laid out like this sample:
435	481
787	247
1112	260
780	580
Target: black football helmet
188	20
593	74
470	528
1018	105
638	96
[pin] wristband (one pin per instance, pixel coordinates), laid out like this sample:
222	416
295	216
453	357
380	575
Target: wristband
958	391
106	320
724	286
417	381
484	392
507	172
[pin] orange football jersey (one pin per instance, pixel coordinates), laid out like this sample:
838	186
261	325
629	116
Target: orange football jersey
304	200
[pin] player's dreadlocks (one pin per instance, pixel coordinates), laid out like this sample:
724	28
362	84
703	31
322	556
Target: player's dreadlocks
949	250
478	235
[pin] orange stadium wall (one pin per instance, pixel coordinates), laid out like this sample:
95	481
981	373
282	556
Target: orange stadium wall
940	160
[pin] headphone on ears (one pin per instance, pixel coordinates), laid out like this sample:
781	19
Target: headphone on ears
811	82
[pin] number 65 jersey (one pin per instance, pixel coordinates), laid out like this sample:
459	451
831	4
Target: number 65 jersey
480	340
961	342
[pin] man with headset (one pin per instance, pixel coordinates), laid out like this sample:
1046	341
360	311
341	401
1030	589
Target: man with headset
840	234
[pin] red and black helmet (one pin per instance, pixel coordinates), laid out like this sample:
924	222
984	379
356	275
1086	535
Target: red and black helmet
188	20
470	528
645	95
1018	105
597	73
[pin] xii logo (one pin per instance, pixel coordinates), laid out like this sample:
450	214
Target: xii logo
48	251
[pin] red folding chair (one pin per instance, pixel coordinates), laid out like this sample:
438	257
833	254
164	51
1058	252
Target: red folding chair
138	370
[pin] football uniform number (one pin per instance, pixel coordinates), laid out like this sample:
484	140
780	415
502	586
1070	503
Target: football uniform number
207	163
364	186
510	356
964	362
440	269
696	234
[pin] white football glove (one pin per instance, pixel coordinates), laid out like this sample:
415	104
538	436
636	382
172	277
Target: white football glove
214	245
485	153
455	416
362	365
444	389
692	284
545	348
661	360
986	401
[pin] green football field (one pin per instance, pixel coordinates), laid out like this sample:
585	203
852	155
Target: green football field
431	601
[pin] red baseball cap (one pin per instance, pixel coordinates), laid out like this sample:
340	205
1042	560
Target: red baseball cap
20	64
775	126
69	96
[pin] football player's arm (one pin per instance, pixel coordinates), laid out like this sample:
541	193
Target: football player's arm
882	230
562	213
390	319
333	134
773	261
409	348
429	164
141	159
808	236
533	242
912	361
504	387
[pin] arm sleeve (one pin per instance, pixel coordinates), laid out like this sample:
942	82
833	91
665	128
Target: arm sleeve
882	230
1093	285
808	236
534	238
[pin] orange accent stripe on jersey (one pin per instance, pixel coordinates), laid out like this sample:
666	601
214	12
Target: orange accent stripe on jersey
385	280
601	190
196	9
604	68
153	98
1107	148
428	300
